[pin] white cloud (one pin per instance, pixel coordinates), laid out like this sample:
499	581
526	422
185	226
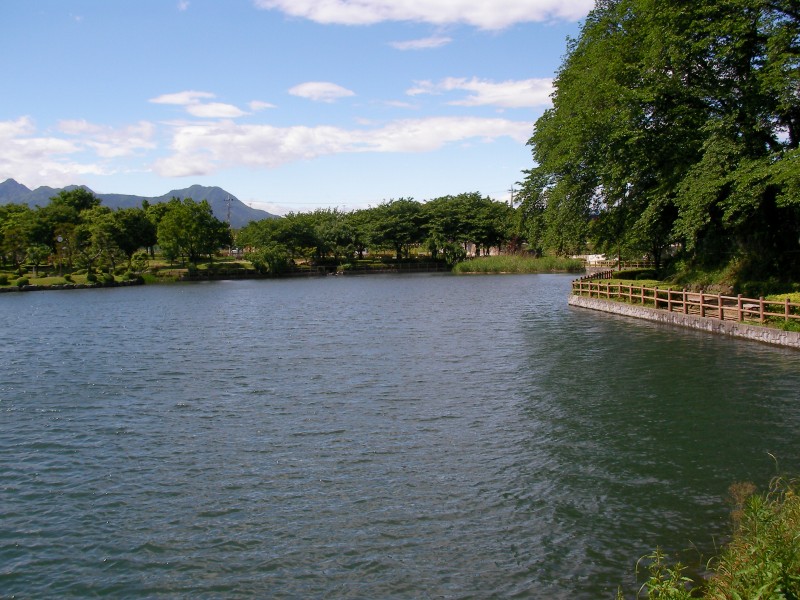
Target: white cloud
320	91
214	110
400	104
201	149
422	44
193	101
182	98
256	105
183	4
39	160
108	142
198	148
496	14
20	126
525	93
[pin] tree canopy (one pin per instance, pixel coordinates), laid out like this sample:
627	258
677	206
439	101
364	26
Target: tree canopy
674	125
75	230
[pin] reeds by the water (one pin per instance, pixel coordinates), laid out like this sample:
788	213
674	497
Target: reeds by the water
513	263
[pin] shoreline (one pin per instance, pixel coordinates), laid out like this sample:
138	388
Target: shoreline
68	286
755	333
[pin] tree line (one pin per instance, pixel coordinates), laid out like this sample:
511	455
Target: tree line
442	228
75	231
674	132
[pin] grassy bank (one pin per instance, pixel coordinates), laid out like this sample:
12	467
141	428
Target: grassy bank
762	560
519	264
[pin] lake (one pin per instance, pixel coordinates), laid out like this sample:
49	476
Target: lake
420	436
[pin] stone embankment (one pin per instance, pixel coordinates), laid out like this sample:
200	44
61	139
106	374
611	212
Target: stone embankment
767	335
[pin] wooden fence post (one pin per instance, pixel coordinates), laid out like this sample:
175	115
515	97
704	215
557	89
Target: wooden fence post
721	311
669	300
702	307
739	308
761	309
685	305
786	311
655	298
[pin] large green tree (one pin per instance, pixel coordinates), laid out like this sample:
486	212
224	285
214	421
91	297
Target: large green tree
189	229
134	231
396	224
673	123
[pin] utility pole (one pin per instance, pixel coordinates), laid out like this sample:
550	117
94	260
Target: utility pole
228	201
512	190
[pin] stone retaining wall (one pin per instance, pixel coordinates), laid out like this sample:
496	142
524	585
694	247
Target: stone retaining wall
767	335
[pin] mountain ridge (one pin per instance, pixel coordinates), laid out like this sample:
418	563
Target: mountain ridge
13	192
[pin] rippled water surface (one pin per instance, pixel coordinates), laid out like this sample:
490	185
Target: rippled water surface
367	437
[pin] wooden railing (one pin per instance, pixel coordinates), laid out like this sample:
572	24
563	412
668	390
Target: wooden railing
717	306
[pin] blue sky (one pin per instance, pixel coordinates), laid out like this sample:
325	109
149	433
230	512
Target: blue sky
290	105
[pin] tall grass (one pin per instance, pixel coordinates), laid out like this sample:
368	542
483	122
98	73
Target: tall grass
762	560
519	264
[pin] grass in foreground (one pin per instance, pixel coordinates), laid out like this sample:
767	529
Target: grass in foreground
519	264
762	560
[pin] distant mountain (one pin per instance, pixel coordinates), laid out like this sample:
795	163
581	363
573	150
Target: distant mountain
241	214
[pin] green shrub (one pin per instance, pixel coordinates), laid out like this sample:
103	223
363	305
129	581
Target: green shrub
665	581
91	278
3	279
762	560
756	289
23	281
68	278
109	278
636	275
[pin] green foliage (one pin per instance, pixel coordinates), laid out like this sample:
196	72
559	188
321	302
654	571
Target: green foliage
396	224
674	126
37	254
189	229
22	281
763	558
519	264
665	581
637	275
134	231
139	262
272	259
761	561
3	279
